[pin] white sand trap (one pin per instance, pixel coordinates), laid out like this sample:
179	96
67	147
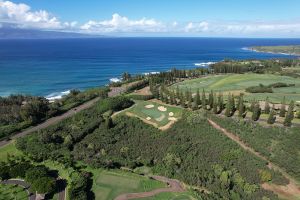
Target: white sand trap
162	117
297	101
162	108
149	106
172	118
148	118
171	114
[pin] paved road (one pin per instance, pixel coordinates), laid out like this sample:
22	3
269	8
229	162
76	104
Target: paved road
174	186
21	183
51	121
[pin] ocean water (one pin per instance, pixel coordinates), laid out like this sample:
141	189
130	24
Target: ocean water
52	67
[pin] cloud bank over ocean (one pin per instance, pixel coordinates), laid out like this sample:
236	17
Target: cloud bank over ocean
21	15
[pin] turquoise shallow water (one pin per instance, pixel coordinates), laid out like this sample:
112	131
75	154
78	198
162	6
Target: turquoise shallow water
50	67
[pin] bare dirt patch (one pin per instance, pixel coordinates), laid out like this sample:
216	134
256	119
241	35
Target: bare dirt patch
289	191
144	91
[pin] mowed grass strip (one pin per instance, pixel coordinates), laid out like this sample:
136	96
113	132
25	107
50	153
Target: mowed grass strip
9	149
161	118
110	184
236	83
171	196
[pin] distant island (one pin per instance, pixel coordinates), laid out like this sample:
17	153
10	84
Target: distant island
290	49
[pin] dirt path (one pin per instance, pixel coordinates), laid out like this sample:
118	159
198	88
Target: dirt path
114	92
290	191
174	186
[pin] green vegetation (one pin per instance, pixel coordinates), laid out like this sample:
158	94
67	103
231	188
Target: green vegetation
292	49
146	109
171	196
237	83
12	192
280	145
39	177
89	149
9	150
18	112
110	184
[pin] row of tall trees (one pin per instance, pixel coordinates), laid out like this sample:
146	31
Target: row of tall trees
215	102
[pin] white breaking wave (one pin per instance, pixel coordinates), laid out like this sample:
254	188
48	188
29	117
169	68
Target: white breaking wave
57	95
149	73
204	64
115	80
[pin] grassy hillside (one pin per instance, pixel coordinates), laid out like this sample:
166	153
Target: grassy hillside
237	83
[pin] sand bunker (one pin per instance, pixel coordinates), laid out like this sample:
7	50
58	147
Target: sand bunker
171	114
172	118
149	106
148	118
162	108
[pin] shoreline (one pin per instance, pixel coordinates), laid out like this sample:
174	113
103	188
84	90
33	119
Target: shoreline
269	52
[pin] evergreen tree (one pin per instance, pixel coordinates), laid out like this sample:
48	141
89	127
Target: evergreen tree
203	100
256	112
182	100
290	115
220	102
190	100
228	111
272	116
282	109
211	99
241	106
108	123
233	108
267	106
215	106
197	99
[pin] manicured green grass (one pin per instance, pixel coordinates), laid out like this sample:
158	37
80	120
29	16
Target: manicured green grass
171	196
161	118
237	83
12	192
110	184
9	149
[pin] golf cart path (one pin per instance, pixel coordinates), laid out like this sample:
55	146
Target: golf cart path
174	186
20	183
292	190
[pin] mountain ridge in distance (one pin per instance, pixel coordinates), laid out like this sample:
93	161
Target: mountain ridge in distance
18	33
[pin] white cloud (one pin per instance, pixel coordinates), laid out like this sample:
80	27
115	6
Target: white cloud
22	15
245	28
119	23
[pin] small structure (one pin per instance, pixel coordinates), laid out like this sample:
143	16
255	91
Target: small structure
40	196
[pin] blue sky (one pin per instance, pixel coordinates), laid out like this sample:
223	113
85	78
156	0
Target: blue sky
169	10
219	18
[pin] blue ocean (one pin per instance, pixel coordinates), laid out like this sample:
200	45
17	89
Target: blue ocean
52	67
